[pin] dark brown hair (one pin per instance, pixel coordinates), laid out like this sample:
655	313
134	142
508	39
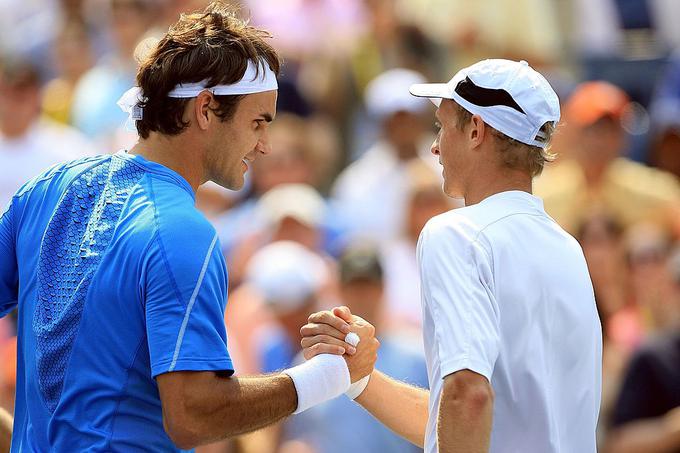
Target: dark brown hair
515	154
213	45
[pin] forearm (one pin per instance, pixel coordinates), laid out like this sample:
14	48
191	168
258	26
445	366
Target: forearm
386	399
223	407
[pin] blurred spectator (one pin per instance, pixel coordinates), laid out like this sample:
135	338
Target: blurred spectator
340	425
298	25
73	57
94	109
485	28
665	117
288	212
647	414
652	286
602	241
29	144
625	41
425	200
27	28
290	278
370	195
598	176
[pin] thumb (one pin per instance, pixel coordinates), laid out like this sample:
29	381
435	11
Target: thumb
343	313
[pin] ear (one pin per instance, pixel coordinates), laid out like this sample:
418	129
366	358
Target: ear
201	109
477	131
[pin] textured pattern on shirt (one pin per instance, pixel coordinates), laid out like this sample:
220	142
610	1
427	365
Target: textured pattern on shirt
71	251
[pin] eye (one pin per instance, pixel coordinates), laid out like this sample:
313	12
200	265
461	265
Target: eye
438	125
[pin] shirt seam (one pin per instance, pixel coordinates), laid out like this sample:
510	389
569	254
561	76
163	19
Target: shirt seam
122	393
181	183
159	240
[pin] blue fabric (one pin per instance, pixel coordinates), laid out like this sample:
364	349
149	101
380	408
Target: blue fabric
118	278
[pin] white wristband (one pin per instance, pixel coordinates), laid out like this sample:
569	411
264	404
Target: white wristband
358	387
319	379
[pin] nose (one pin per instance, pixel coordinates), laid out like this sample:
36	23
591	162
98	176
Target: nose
434	149
263	145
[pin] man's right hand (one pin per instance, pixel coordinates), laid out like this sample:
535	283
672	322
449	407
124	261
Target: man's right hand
326	331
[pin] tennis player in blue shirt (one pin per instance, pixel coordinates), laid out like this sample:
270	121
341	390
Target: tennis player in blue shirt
120	283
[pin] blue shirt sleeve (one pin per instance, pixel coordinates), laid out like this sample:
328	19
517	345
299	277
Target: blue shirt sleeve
9	273
185	293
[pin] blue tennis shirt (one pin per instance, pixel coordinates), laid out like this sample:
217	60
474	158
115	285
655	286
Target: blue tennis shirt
118	278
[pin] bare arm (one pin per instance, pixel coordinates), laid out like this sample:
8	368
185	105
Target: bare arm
657	435
6	422
202	407
386	398
465	413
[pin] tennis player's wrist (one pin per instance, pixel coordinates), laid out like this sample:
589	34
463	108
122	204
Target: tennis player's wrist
358	387
319	379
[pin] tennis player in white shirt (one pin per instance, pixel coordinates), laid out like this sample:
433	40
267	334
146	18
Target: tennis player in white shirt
511	332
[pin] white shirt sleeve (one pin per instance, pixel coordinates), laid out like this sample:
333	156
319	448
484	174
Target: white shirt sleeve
457	289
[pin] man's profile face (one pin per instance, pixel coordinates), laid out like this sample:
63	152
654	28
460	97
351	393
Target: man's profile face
449	146
238	142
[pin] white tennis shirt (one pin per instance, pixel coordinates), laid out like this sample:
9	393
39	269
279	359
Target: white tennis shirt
506	293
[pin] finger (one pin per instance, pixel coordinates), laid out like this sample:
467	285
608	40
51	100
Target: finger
344	313
312	329
326	317
307	342
321	348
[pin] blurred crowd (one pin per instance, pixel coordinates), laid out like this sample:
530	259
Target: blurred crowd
333	215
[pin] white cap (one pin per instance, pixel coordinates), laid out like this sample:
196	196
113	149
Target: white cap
300	201
387	94
286	274
510	96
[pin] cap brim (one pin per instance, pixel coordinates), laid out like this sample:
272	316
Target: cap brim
434	91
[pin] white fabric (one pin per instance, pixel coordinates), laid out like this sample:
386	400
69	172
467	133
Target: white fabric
506	294
530	90
319	379
352	339
358	387
250	83
44	144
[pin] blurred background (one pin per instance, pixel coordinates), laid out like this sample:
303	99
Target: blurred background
332	216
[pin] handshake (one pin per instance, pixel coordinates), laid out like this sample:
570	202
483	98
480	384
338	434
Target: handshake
336	362
326	333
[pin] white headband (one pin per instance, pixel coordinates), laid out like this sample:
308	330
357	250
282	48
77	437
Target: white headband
250	83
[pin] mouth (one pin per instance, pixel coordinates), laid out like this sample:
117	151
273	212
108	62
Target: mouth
244	162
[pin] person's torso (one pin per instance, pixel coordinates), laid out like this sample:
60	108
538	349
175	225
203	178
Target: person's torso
84	380
546	379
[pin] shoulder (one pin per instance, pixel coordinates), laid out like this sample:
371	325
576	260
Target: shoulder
453	235
183	232
63	172
460	225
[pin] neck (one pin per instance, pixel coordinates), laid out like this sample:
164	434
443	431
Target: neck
482	188
176	153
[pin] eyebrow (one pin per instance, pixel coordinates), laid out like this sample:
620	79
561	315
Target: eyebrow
266	116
